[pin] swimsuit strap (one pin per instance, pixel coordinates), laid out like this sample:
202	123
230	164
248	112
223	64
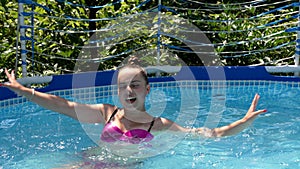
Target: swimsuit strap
113	114
151	125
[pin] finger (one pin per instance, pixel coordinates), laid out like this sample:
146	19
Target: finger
260	111
7	73
9	76
256	98
253	104
255	101
6	84
13	74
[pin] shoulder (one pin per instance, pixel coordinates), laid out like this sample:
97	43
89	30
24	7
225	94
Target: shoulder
166	124
105	107
107	110
165	121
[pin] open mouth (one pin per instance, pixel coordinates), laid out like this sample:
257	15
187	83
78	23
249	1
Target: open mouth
131	99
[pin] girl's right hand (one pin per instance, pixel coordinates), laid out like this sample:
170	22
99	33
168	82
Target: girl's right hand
12	83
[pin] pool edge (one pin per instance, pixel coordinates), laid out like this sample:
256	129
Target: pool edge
102	78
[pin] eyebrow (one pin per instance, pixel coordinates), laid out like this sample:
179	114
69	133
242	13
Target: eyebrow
134	81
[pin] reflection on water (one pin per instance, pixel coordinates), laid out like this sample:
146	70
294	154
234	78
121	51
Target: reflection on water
32	137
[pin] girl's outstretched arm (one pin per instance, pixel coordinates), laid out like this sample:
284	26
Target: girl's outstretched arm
237	126
90	113
231	129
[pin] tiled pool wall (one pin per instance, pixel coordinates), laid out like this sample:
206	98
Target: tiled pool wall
93	93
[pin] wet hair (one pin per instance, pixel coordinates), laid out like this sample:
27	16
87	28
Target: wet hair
134	63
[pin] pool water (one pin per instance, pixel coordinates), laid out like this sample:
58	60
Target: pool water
32	137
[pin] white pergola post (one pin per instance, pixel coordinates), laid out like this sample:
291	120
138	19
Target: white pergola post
22	40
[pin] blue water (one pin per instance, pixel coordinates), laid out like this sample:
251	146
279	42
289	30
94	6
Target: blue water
32	137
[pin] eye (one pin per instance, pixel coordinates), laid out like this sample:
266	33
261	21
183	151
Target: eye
122	86
134	85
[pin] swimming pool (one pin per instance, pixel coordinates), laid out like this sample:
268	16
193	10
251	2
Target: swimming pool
32	137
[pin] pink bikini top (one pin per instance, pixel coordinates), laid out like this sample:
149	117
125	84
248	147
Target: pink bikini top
112	133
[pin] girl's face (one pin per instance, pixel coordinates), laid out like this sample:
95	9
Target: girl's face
132	89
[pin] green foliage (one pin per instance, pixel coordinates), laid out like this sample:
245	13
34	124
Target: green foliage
237	33
8	19
56	48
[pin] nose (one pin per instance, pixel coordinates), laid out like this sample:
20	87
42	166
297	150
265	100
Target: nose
128	88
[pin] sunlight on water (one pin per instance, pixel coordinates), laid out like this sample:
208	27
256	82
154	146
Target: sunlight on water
32	137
